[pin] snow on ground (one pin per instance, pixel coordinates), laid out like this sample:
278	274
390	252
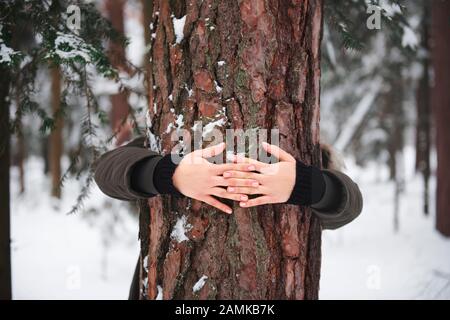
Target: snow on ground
60	256
87	255
367	260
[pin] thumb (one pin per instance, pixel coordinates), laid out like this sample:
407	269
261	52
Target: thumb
278	152
210	151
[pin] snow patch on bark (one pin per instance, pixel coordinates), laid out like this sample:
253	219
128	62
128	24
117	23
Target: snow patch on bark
218	88
159	296
179	230
207	129
178	27
154	141
199	284
145	263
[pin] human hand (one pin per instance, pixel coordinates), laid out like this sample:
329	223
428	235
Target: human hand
197	178
276	181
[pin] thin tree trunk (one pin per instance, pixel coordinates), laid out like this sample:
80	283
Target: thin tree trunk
423	126
441	109
119	101
254	64
56	139
21	159
20	156
5	251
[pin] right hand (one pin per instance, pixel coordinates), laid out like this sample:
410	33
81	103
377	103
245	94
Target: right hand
197	178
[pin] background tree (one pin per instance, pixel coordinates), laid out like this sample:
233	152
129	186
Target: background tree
56	136
440	31
119	103
5	251
423	96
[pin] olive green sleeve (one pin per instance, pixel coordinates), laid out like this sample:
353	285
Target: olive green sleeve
349	205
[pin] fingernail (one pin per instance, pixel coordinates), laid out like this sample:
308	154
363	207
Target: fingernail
227	174
251	168
230	189
244	198
229	211
255	184
242	204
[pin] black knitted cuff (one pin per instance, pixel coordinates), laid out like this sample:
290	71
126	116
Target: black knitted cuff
309	185
162	178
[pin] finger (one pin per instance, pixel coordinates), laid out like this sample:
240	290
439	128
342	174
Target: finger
254	165
216	203
278	152
222	193
219	181
234	182
239	158
245	190
258	164
210	151
256	202
241	175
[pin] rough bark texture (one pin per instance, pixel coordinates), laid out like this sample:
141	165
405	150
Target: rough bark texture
119	101
56	139
441	109
269	78
5	253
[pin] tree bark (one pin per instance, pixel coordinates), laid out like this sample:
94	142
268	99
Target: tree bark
441	109
5	251
269	78
119	101
56	139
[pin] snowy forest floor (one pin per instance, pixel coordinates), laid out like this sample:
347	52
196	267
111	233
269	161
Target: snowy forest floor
92	254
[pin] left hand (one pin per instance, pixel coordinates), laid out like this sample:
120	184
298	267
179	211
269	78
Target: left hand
276	181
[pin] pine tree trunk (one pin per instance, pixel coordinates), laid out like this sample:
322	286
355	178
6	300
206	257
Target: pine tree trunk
5	251
423	125
270	77
21	160
56	139
441	109
119	101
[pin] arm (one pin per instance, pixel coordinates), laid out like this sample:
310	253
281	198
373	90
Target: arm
133	172
119	172
333	196
341	203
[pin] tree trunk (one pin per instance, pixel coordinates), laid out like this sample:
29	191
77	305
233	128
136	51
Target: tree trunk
268	76
56	139
423	125
21	159
119	101
441	109
5	251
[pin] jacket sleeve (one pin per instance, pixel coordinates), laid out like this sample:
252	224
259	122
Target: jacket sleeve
350	202
113	170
